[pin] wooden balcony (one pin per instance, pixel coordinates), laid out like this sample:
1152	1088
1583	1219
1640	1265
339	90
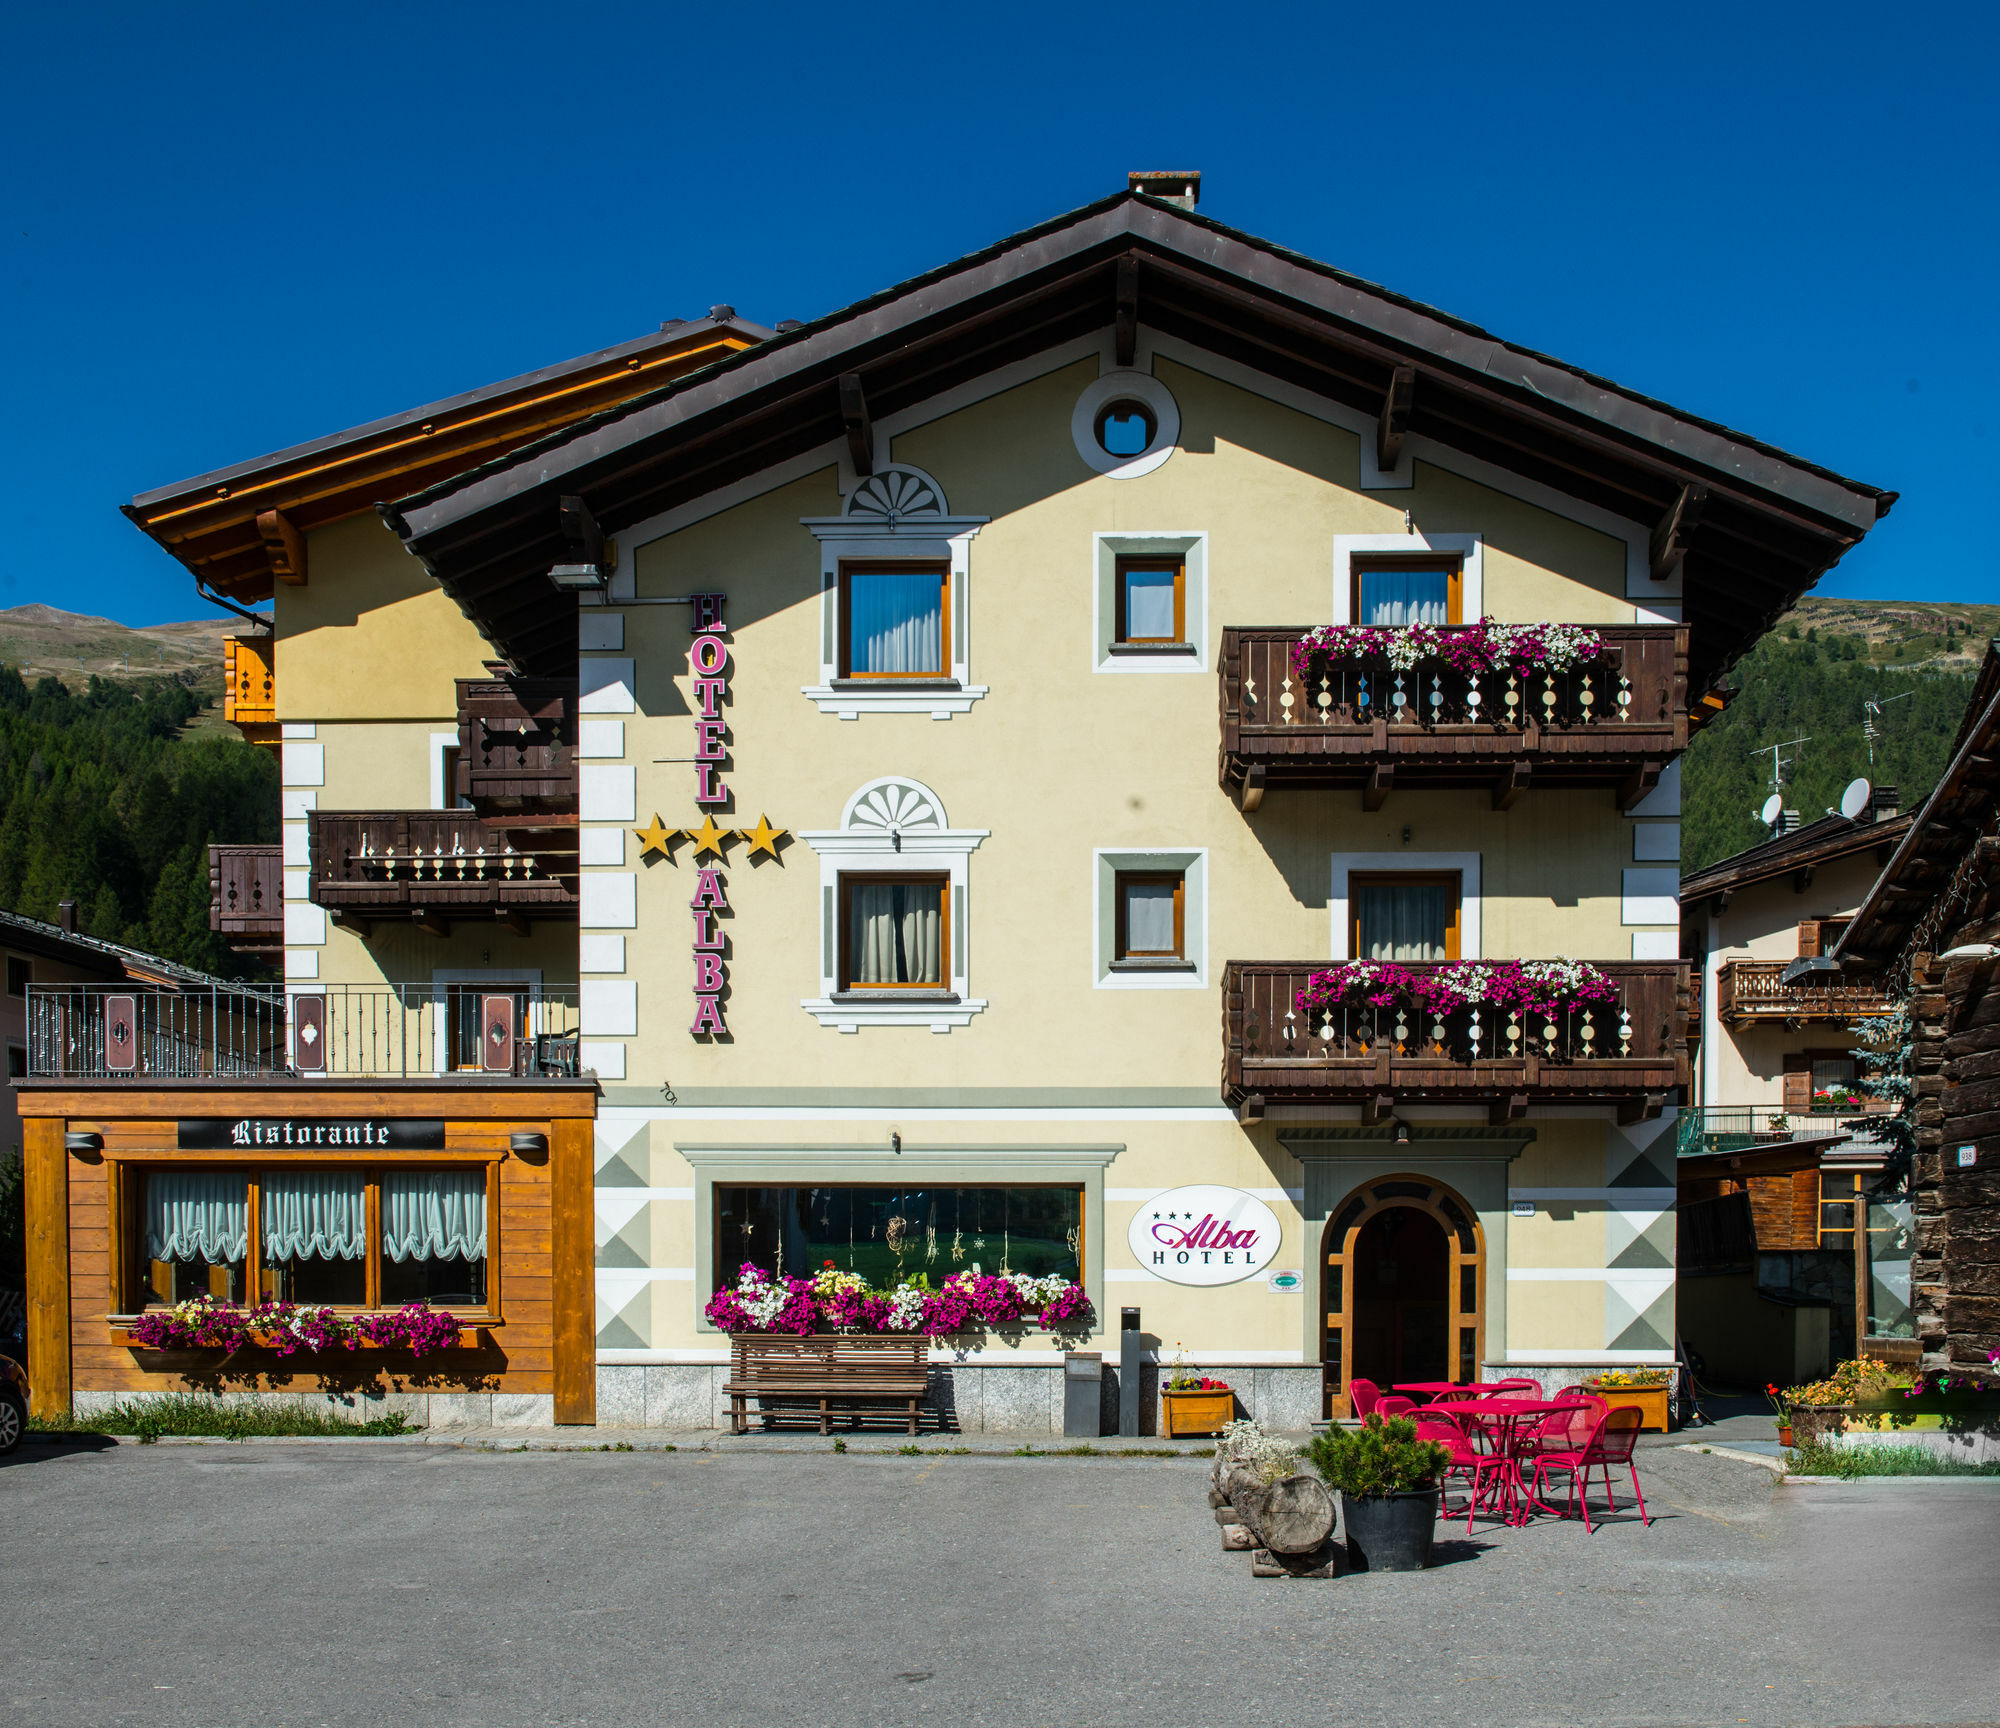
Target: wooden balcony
1632	1053
1750	990
517	745
250	686
246	898
434	867
1361	723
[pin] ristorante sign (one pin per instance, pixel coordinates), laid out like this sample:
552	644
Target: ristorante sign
1204	1235
308	1134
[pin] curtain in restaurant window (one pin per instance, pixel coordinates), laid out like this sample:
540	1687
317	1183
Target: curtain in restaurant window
312	1214
895	621
1393	597
434	1215
1149	917
898	933
1149	605
1403	920
197	1215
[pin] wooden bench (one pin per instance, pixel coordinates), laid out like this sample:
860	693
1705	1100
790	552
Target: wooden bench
879	1370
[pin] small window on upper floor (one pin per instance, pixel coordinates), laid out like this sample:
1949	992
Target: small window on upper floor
1391	592
20	974
1152	916
17	1061
1126	427
1408	916
895	931
1152	601
893	621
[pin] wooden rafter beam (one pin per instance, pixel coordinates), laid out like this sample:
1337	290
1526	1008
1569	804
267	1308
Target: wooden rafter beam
1381	780
1125	325
854	419
1394	420
1512	782
284	545
1675	529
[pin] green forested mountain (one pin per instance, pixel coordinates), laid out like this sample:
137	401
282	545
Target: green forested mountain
104	801
1812	680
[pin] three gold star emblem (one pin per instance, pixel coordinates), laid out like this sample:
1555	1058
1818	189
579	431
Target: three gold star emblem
708	837
655	837
763	837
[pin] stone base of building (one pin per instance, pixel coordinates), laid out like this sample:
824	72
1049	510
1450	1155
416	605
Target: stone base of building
420	1409
965	1398
1976	1442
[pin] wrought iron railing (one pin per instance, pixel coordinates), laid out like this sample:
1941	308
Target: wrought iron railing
356	1031
1743	1127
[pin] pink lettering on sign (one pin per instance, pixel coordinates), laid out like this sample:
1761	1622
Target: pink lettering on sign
1210	1233
708	1018
708	974
708	660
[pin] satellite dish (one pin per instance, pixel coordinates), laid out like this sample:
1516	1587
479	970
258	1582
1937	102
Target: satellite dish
1855	799
1773	808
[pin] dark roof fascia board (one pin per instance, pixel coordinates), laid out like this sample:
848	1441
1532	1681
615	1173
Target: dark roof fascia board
1535	383
114	959
295	453
1775	858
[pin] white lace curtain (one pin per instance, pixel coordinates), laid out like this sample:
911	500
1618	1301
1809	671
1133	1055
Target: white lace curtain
312	1215
197	1215
896	622
898	933
1149	917
434	1215
1403	920
1395	597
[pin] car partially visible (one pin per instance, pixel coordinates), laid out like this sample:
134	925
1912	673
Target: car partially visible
13	1403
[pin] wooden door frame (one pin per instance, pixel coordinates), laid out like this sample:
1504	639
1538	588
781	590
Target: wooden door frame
1337	1239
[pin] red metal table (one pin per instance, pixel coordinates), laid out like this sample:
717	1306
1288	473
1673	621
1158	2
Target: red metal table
1501	1420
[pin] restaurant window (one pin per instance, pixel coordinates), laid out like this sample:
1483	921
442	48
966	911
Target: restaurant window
887	1235
1152	916
1837	1198
20	974
1151	601
1391	592
1409	916
892	621
344	1237
895	931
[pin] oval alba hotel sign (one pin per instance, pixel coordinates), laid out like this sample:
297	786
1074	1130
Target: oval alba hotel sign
1204	1235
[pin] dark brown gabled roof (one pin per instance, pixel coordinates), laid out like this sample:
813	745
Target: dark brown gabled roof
1959	811
1804	848
1771	522
210	522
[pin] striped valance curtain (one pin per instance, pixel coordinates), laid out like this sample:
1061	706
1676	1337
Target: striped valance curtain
434	1215
197	1215
313	1215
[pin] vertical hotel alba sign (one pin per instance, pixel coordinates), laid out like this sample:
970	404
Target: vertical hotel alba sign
1204	1235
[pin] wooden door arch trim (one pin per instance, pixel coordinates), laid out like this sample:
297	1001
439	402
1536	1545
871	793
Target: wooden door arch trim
1460	1223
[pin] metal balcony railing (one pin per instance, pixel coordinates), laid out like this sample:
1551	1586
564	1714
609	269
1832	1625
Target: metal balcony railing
1744	1127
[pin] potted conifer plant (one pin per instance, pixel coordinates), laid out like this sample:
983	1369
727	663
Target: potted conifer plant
1388	1481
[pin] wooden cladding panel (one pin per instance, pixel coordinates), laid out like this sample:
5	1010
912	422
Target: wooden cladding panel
572	1244
1784	1211
45	1197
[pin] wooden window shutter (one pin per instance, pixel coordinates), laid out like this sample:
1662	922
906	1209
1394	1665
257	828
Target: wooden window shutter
1798	1084
1808	940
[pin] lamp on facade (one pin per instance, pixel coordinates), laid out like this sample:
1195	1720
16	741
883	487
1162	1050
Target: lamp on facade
82	1140
528	1145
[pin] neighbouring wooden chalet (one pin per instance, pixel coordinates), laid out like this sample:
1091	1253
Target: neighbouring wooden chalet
1771	1165
840	788
1929	932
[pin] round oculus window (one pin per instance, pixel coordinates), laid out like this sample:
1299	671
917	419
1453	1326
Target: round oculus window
1126	428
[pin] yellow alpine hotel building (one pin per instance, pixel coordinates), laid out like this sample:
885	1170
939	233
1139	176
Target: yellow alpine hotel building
1011	774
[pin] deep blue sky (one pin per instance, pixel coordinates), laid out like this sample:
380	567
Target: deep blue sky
232	228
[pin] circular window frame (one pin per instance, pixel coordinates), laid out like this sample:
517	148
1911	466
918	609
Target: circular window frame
1126	407
1144	391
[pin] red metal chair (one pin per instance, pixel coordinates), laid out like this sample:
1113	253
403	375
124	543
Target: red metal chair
1394	1405
1362	1397
1610	1441
1467	1459
1565	1430
1519	1385
1458	1394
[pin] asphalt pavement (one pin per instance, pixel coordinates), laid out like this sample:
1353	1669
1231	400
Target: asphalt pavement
279	1584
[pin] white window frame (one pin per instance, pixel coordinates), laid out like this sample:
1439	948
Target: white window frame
920	841
864	531
1190	546
1470	549
1112	387
1106	971
1471	934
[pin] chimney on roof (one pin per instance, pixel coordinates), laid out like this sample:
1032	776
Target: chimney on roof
1182	187
1882	803
66	916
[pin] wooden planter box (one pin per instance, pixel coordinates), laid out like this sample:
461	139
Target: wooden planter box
468	1339
1187	1413
1649	1401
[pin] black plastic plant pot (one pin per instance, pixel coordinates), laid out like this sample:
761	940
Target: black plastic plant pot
1389	1532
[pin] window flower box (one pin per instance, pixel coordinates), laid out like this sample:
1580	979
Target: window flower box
1206	1409
1652	1402
291	1329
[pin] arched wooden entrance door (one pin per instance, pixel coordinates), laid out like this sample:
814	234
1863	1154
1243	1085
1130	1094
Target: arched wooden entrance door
1404	1286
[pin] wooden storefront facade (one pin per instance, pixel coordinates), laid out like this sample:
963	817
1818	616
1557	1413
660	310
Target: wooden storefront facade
89	1148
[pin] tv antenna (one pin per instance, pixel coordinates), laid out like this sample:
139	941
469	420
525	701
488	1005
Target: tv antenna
1871	719
1780	761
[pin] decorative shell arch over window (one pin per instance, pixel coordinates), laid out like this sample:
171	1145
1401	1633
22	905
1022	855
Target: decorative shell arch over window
894	806
897	495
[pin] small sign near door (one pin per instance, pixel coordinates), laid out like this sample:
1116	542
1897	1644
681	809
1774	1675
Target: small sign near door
1287	1283
1204	1235
1967	1157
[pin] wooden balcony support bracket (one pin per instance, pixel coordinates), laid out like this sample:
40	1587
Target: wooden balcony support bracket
1251	1108
1512	783
859	425
1250	794
284	545
1125	323
1380	1107
432	923
353	921
1636	785
1675	530
1511	1108
1381	779
511	920
1645	1108
1394	424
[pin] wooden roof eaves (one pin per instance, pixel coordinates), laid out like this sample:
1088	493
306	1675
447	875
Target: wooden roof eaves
1777	858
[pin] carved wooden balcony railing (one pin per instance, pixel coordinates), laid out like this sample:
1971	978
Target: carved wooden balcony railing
246	898
517	745
433	866
1632	1052
1748	990
250	686
1363	723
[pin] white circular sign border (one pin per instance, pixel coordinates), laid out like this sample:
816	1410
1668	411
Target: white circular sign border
1234	1206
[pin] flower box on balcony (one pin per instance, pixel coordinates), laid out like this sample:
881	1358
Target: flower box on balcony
470	1337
